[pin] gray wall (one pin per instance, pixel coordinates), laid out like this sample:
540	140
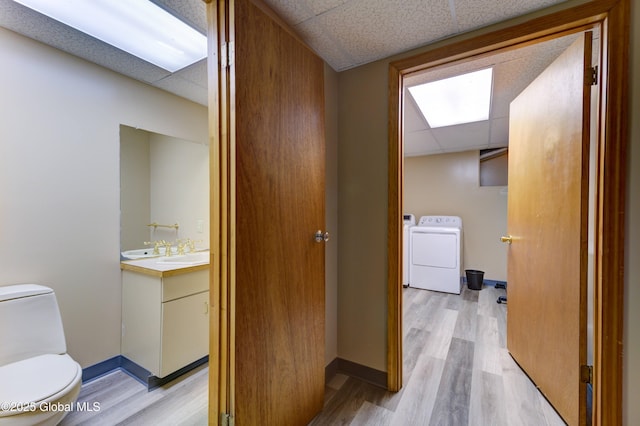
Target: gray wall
331	205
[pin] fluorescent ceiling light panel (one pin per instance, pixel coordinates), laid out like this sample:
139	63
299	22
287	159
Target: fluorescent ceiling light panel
138	27
457	100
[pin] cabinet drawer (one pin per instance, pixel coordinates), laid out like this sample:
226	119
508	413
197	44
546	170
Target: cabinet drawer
177	286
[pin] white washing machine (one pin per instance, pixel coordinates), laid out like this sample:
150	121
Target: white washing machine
409	222
436	254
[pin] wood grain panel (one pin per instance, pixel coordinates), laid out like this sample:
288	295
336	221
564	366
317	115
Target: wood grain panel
547	217
279	204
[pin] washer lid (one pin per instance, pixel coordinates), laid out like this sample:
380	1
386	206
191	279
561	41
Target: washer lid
434	230
38	378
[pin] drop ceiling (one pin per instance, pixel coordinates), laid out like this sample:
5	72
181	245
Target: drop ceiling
189	83
346	34
512	73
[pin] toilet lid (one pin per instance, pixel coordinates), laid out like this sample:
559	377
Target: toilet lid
36	379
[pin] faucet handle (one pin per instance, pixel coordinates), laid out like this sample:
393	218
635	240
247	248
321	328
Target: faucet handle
167	247
181	246
192	244
156	246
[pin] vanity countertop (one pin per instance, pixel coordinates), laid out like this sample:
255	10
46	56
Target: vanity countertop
152	266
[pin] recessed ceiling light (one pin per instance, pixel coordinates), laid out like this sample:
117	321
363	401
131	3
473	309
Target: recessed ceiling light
138	27
462	99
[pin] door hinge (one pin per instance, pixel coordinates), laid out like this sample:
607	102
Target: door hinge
586	374
226	419
594	76
226	54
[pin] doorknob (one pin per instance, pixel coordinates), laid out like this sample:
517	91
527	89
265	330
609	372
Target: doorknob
320	236
508	239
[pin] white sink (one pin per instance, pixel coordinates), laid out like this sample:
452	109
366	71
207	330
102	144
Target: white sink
196	258
145	253
139	253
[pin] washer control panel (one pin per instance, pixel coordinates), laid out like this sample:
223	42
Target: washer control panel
450	221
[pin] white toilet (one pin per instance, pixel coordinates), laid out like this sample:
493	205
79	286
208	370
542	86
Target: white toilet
39	381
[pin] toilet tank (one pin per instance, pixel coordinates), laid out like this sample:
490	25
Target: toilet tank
30	323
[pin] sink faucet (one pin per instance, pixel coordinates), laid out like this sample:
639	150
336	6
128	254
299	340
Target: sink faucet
191	244
156	246
181	245
167	247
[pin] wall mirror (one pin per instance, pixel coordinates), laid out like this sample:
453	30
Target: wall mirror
163	180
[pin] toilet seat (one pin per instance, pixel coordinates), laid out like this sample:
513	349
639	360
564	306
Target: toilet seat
43	378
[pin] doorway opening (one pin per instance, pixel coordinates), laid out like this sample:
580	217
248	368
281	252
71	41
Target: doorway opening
610	177
443	175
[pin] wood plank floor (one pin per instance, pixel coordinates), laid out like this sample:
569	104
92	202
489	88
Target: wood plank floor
125	401
457	371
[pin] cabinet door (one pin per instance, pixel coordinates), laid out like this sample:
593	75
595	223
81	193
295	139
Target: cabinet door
185	332
141	319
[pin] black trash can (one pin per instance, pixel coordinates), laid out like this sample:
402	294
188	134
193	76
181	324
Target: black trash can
474	279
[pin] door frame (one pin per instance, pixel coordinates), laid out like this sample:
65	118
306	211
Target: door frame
612	16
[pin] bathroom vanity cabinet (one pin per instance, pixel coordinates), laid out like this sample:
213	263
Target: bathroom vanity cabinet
165	316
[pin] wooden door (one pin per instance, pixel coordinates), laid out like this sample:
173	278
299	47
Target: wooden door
547	219
272	204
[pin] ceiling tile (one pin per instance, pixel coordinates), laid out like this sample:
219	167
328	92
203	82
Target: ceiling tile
512	76
463	137
499	136
291	11
373	29
324	44
420	143
321	6
196	73
474	14
185	88
413	118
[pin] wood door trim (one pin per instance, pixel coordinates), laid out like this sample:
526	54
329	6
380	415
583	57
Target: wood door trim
394	271
219	142
610	219
613	15
214	194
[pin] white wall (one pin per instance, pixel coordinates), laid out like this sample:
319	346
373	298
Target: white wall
59	180
179	189
449	184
